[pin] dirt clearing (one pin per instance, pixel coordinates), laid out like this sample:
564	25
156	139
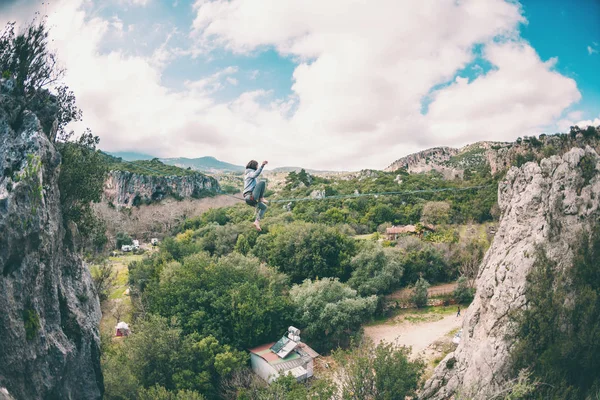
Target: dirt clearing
418	330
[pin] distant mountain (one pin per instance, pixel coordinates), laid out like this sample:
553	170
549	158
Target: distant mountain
204	164
130	155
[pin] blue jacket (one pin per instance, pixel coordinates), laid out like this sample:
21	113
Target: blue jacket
250	178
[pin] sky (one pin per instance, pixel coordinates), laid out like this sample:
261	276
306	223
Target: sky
336	84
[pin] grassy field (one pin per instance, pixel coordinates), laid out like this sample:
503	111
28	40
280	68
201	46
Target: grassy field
118	302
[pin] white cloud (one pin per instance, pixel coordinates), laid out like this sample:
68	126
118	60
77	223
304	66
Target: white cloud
141	3
510	101
357	90
592	50
363	72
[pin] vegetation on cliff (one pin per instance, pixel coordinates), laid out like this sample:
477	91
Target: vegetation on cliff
558	336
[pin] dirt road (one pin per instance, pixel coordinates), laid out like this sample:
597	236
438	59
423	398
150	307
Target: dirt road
418	335
435	290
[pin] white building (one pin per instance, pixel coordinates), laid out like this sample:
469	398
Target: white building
154	241
288	355
126	247
136	244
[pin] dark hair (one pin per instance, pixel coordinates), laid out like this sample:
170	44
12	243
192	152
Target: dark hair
252	165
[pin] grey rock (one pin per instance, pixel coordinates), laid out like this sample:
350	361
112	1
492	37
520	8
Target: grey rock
545	205
49	311
126	189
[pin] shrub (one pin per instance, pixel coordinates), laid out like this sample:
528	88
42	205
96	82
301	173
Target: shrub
378	372
463	293
31	321
123	239
104	279
419	294
558	334
329	312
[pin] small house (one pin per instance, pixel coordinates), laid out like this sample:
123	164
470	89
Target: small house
154	241
136	244
286	356
122	329
394	232
126	248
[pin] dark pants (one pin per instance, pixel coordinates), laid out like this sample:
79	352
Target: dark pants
253	199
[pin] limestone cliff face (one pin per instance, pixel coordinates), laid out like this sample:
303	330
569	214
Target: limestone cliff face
49	312
126	189
497	156
550	205
426	160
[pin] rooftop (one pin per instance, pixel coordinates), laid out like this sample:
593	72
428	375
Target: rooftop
298	356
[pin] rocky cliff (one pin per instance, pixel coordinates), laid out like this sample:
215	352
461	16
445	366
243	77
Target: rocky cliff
126	189
493	156
426	160
49	312
547	205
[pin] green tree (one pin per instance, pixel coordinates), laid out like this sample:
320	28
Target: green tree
436	213
158	353
382	372
558	335
242	246
419	294
329	312
160	393
303	250
104	279
376	270
123	239
81	181
235	299
27	59
427	262
463	293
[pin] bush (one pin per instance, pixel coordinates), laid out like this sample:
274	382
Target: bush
329	312
104	279
376	270
159	354
463	293
558	334
123	239
436	213
235	299
31	321
160	393
303	250
378	372
419	294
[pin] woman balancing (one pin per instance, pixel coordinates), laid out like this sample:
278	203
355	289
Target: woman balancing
254	191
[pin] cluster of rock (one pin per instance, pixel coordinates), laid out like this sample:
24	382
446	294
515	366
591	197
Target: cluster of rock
425	161
548	204
50	344
452	163
127	189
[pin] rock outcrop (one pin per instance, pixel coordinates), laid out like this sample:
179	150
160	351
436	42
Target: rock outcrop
496	156
49	311
426	160
126	189
547	205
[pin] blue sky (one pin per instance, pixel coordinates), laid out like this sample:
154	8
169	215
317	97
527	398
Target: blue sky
567	30
335	85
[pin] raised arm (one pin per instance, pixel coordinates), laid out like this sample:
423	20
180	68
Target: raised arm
256	173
